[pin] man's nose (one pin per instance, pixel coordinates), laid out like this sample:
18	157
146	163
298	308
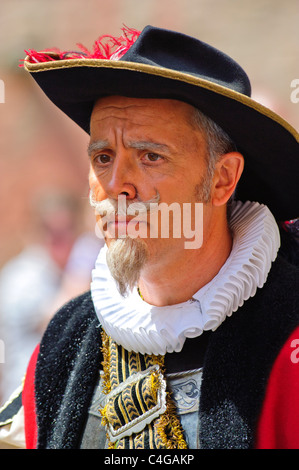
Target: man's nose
123	178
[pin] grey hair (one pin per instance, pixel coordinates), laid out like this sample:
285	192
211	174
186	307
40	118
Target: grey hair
218	141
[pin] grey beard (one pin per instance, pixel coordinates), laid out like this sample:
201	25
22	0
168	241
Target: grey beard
125	258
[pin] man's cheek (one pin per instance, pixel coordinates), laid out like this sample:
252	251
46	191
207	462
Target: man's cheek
96	188
100	228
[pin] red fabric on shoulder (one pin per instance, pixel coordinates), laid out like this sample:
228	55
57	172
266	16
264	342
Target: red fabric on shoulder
28	399
278	426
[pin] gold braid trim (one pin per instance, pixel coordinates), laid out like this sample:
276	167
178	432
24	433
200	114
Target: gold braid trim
106	362
167	426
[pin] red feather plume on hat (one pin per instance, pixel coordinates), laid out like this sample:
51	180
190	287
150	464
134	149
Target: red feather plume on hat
105	47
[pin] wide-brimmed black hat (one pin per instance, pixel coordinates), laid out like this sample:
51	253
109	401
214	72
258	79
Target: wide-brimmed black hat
165	64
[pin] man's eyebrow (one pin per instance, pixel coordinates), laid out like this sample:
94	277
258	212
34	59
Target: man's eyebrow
139	145
97	145
148	145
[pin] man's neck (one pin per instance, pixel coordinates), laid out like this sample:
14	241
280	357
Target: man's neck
186	272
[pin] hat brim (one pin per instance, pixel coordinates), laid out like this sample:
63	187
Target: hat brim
269	144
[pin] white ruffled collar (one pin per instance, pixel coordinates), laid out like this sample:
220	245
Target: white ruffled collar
144	328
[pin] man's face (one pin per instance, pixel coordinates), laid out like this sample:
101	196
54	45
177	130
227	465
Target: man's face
143	147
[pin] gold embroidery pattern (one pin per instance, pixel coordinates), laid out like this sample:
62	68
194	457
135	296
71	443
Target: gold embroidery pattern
134	400
133	384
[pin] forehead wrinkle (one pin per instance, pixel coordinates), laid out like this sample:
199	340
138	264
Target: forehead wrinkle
110	111
103	111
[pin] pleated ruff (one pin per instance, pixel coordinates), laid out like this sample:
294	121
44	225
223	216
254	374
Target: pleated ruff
144	328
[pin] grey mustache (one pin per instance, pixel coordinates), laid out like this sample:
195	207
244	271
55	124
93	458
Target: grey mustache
122	206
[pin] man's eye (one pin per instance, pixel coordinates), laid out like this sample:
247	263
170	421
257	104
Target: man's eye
102	159
153	157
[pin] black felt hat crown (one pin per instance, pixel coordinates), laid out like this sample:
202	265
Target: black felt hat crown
158	63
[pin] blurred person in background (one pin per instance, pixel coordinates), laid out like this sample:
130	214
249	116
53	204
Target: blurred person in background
76	276
30	281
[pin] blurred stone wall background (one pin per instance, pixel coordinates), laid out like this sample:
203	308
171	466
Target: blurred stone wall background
40	148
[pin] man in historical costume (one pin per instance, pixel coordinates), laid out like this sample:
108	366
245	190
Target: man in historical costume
175	345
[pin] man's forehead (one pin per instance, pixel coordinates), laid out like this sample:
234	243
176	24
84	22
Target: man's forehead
145	117
144	123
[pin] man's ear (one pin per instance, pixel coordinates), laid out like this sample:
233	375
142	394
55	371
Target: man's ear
228	171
